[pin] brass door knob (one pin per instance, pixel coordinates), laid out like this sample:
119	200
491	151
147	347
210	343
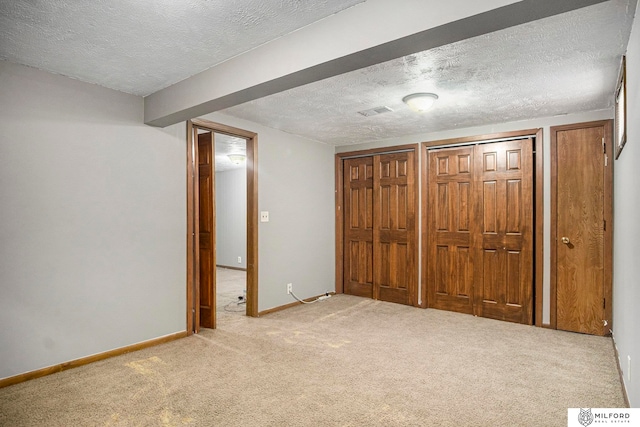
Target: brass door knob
565	240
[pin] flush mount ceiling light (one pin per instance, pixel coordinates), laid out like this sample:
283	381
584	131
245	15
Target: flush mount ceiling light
237	159
420	102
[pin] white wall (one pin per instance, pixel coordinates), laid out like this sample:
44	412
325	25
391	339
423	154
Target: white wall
296	186
626	234
92	221
231	218
545	124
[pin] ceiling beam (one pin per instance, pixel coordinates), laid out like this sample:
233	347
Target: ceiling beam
367	34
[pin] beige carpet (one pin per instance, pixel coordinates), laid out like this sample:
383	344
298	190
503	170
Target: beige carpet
230	284
346	361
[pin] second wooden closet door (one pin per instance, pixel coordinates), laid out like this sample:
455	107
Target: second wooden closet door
480	230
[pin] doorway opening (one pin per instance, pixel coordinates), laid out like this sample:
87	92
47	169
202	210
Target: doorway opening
231	219
204	140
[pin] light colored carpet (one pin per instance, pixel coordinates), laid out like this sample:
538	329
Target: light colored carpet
347	361
230	284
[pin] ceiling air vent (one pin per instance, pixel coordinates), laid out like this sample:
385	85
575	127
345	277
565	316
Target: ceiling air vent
375	111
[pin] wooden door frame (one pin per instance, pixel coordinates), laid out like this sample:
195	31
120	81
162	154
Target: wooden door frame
538	230
608	217
193	258
339	171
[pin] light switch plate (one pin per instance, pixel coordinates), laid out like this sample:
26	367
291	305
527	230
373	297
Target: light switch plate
264	216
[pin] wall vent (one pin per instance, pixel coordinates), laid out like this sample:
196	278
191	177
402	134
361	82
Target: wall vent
375	111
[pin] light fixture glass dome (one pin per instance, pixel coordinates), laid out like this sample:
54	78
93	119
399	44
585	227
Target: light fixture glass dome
420	102
237	159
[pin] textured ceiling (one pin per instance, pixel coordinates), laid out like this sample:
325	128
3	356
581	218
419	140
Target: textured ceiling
564	64
143	46
226	145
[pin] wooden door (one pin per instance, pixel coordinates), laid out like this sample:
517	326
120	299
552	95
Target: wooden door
450	216
504	220
581	186
480	230
380	257
207	295
394	222
358	229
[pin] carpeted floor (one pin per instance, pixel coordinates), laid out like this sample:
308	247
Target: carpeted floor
230	284
347	361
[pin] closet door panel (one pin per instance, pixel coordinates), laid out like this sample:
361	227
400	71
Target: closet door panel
480	230
358	233
394	218
504	200
450	216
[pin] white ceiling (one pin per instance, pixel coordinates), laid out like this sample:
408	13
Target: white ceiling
142	46
225	145
563	64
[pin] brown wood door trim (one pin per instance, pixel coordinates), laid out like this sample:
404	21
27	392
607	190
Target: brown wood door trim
482	138
424	188
339	250
193	290
252	226
608	217
339	191
192	209
538	230
538	181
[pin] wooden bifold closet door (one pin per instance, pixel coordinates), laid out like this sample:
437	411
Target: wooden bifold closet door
480	230
379	227
207	245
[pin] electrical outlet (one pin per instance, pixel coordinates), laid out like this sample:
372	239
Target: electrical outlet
239	260
628	368
289	288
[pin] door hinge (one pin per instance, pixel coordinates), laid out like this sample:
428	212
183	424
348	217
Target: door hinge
606	160
604	146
